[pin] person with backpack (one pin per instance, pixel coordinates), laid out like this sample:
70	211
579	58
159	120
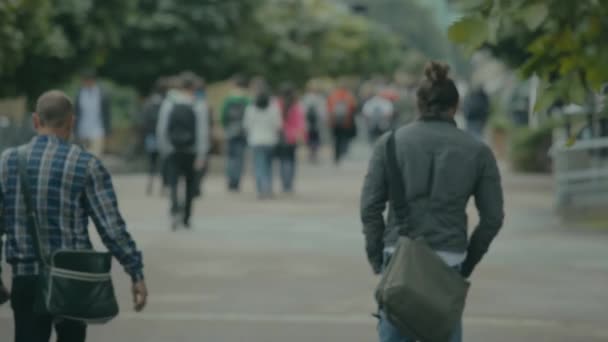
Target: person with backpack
426	172
232	117
341	105
293	132
476	108
183	138
263	123
315	108
379	113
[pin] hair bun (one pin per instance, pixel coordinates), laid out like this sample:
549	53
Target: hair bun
436	72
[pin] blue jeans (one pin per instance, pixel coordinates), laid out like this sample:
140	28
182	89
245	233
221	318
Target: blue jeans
387	332
235	162
262	162
287	157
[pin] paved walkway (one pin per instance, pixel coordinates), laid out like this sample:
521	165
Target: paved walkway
294	269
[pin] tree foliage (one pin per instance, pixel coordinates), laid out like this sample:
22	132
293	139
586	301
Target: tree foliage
280	39
561	41
43	43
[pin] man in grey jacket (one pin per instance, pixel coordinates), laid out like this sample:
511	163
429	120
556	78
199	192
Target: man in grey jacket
183	139
442	167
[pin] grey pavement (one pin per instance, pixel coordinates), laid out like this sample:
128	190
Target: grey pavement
294	269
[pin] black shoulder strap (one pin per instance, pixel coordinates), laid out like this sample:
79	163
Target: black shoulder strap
31	217
396	186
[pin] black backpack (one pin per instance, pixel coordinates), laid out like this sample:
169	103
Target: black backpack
235	114
312	117
182	127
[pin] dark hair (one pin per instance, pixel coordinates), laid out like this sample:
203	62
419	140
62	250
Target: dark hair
161	85
240	81
188	80
89	74
289	96
437	94
262	100
54	108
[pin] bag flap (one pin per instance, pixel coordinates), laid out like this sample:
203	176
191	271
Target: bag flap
82	261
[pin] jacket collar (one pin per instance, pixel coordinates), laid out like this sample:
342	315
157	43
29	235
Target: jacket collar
437	119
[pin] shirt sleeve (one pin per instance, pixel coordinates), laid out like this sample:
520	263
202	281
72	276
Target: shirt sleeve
278	119
489	203
102	207
373	204
224	112
248	118
164	146
301	123
202	131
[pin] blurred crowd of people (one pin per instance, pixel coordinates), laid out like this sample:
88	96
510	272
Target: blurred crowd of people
176	126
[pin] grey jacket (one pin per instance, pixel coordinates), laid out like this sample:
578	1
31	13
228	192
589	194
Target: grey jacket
442	168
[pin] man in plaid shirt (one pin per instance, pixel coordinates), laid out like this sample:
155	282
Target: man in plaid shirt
69	186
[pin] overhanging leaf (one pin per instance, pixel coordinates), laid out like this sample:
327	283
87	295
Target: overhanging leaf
534	15
546	97
470	31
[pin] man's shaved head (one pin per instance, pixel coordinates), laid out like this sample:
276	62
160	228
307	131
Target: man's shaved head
54	108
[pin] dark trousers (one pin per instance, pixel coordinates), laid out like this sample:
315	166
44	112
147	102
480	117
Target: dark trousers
235	162
314	143
32	327
152	170
341	141
181	164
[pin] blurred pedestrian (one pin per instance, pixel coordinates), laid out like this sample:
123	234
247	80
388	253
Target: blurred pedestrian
315	108
437	168
183	137
263	123
293	133
149	117
476	108
341	105
379	114
63	187
93	116
233	114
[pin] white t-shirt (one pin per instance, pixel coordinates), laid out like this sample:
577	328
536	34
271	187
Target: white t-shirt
263	125
90	122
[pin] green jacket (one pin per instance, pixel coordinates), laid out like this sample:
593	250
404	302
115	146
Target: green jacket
233	115
442	167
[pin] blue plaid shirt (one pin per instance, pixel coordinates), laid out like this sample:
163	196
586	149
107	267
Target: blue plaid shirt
68	186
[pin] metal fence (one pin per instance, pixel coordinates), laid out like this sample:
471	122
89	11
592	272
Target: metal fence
581	173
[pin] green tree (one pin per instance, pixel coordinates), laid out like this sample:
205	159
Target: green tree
169	36
279	39
48	41
561	41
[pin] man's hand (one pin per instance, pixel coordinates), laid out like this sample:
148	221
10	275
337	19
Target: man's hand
140	295
5	295
199	165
